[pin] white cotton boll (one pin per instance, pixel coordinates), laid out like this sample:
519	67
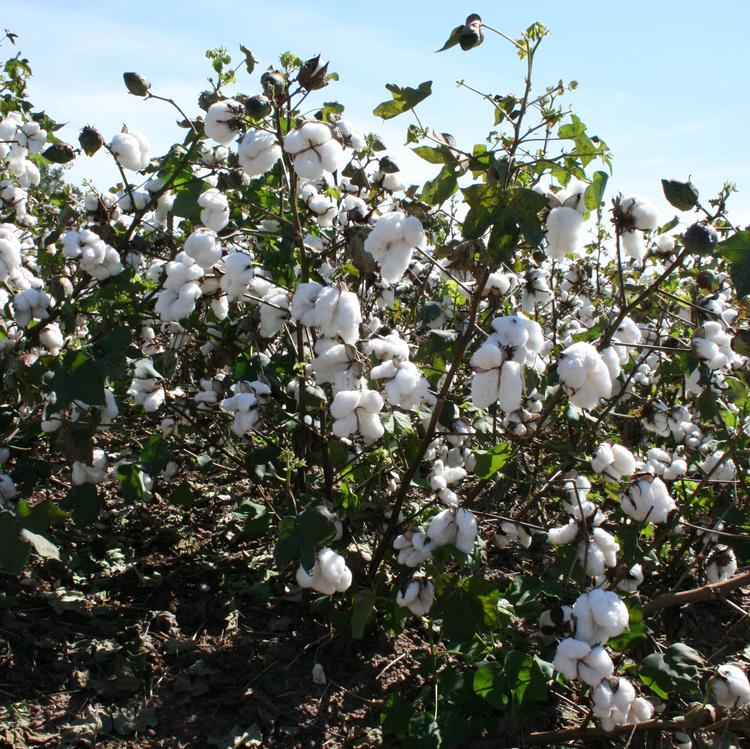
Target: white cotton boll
607	544
563	535
633	245
665	244
203	247
93	473
466	536
131	149
599	615
258	152
52	338
591	558
603	458
632	581
642	213
640	711
510	390
726	469
730	686
333	568
722	565
648	499
570	652
314	149
215	213
224	121
442	528
584	375
344	403
392	241
418	597
597	665
563	232
30	304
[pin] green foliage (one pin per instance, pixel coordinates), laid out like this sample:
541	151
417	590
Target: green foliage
403	99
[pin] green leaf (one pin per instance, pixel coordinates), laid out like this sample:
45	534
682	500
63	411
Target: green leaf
14	551
260	461
364	604
130	477
682	195
154	455
255	516
491	462
594	193
85	503
39	517
438	190
452	40
78	378
491	684
440	155
528	680
183	495
465	605
677	669
736	249
186	201
403	100
249	59
59	153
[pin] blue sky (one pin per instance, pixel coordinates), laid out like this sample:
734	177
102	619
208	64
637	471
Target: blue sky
663	82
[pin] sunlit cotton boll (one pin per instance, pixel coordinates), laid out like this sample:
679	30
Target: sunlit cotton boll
357	411
132	150
584	375
392	241
224	121
147	392
599	615
315	150
613	461
721	565
215	213
643	215
730	687
563	232
577	660
329	574
418	597
648	499
258	152
52	338
92	473
30	304
203	247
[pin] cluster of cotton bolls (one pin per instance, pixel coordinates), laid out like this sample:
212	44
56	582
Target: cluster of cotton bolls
181	291
614	462
246	405
315	150
95	256
714	348
648	499
512	533
584	375
730	687
615	703
332	309
498	363
19	138
31	304
403	383
329	574
392	242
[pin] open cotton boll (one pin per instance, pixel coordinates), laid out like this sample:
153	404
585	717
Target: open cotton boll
224	120
613	461
730	687
413	548
215	213
599	553
633	245
584	375
274	311
30	304
567	656
724	472
131	149
512	532
147	392
631	582
640	212
599	615
8	491
52	338
563	232
337	313
466	536
648	499
238	273
203	247
258	152
93	473
314	149
418	597
392	241
329	574
563	535
721	565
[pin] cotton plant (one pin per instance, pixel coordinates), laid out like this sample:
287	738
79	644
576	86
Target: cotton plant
90	473
246	405
131	149
636	216
224	120
333	309
215	209
584	375
418	597
392	242
314	149
615	703
95	256
648	499
258	152
721	564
